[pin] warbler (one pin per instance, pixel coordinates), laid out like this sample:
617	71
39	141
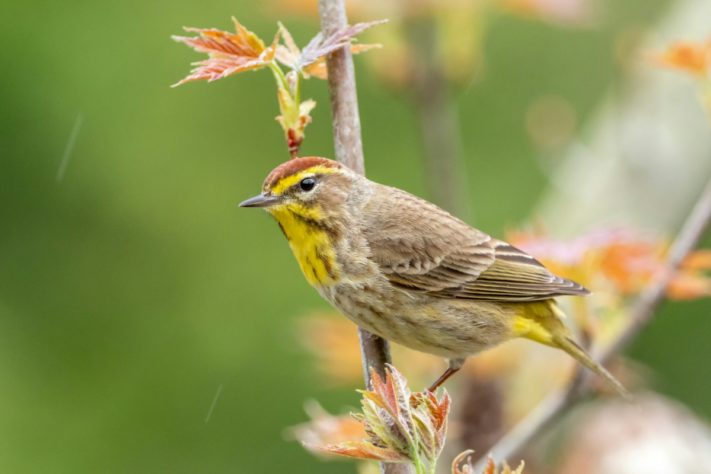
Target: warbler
409	271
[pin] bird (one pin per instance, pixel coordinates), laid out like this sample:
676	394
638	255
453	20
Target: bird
411	272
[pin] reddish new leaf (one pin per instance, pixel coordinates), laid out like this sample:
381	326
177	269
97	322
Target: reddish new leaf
318	69
387	391
229	53
399	425
462	465
324	429
287	53
365	450
312	60
321	46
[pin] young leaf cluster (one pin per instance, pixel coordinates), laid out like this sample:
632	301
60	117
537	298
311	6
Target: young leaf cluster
234	53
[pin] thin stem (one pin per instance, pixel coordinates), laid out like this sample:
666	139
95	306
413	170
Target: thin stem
349	150
342	85
640	314
687	239
279	75
419	467
297	87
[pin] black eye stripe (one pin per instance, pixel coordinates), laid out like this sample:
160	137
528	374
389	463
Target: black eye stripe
307	184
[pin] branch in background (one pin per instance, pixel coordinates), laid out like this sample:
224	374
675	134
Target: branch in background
687	240
640	315
439	122
349	150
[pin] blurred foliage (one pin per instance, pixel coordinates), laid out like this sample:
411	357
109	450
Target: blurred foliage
132	289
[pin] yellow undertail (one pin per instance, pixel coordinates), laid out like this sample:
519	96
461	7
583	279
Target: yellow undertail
541	322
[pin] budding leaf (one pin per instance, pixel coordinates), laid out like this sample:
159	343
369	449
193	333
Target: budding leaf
400	426
233	53
228	53
462	465
361	450
311	61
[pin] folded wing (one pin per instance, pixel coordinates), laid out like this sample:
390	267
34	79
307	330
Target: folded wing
426	249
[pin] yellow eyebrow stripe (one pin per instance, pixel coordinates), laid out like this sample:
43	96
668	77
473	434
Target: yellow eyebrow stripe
288	181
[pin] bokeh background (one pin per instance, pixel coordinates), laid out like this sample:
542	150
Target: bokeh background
148	325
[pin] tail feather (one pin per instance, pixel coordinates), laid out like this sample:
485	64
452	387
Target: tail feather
578	353
543	322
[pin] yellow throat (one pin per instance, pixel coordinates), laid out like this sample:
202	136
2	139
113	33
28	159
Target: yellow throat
311	244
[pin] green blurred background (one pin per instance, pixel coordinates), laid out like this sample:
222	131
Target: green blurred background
132	289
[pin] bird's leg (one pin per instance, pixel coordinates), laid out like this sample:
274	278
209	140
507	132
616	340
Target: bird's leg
454	366
442	378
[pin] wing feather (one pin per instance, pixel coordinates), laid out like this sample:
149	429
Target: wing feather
427	249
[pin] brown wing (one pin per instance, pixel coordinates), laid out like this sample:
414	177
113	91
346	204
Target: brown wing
421	247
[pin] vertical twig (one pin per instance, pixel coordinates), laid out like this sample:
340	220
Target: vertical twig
347	143
342	86
349	150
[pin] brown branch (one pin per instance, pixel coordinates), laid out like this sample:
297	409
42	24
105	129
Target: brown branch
640	314
342	86
439	121
349	150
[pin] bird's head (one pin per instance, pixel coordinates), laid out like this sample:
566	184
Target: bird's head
310	187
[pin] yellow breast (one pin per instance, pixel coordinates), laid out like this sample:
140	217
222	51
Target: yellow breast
311	245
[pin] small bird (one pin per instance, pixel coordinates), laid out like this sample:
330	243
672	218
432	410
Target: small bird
409	271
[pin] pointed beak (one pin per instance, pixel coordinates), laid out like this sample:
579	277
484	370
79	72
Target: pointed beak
261	200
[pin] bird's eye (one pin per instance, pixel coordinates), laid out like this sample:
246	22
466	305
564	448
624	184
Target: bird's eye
307	184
